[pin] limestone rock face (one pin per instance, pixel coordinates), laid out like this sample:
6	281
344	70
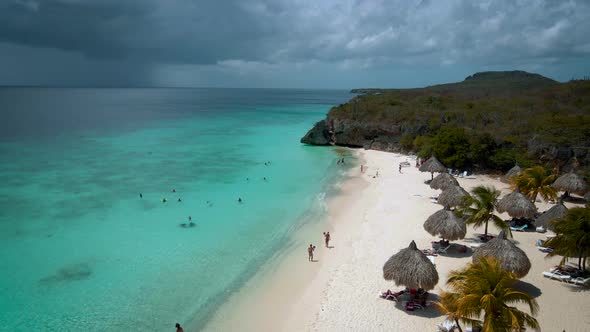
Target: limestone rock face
318	135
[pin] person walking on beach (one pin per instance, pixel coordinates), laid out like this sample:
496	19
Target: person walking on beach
310	252
179	328
327	239
400	168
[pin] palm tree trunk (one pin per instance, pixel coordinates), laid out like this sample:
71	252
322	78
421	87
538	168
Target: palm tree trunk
535	196
458	326
485	233
580	260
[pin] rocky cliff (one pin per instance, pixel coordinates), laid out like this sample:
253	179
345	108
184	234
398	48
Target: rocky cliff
527	112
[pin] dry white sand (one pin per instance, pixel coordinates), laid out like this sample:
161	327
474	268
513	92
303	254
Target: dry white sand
371	220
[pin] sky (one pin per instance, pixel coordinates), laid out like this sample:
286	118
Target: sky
338	44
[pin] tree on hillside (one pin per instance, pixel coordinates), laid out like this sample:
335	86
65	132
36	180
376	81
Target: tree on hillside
485	288
572	238
480	206
533	181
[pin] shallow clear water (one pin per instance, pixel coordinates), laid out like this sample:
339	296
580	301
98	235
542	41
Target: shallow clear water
79	249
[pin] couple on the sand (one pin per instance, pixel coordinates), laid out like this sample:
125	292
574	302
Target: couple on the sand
311	247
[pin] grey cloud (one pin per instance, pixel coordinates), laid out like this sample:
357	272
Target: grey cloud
259	36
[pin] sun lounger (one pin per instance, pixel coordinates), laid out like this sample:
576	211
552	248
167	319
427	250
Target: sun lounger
557	276
447	326
519	228
442	250
540	229
540	246
580	281
476	245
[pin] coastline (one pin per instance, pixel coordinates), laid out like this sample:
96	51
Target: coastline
370	220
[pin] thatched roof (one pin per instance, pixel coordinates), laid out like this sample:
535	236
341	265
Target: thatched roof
512	172
571	182
443	181
556	212
517	205
432	165
452	196
511	257
411	268
446	224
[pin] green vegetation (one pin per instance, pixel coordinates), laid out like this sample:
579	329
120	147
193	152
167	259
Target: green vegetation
572	238
480	206
488	121
535	180
485	288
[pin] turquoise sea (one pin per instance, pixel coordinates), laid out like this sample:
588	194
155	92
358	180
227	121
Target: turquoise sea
80	250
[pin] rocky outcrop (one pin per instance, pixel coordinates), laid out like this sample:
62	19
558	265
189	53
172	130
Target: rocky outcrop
346	132
318	135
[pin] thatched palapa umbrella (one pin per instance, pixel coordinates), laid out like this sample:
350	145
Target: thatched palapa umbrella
556	212
571	182
411	268
432	165
452	196
443	181
511	257
517	205
446	224
514	171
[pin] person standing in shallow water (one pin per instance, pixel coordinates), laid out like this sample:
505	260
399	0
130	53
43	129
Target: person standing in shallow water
327	239
310	252
179	328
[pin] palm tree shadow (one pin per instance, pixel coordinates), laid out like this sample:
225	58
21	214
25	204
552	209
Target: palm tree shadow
577	289
528	288
575	200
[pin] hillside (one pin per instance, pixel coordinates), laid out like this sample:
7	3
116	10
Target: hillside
488	121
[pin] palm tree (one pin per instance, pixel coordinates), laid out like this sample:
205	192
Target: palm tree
447	305
485	288
533	181
479	208
572	236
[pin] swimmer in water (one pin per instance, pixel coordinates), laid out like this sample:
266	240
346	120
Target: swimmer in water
240	200
190	218
265	179
191	224
164	200
140	195
180	200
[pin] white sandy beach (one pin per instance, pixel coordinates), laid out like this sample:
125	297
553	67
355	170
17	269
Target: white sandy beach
372	219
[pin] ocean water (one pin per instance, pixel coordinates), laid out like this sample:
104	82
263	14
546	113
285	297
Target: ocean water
80	250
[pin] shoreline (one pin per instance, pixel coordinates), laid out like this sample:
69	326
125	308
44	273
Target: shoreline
285	281
371	219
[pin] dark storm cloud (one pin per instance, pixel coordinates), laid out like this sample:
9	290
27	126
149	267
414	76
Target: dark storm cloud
257	36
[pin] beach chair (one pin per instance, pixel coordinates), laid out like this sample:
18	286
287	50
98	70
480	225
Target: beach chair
442	250
540	229
579	281
540	246
519	228
447	326
556	275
